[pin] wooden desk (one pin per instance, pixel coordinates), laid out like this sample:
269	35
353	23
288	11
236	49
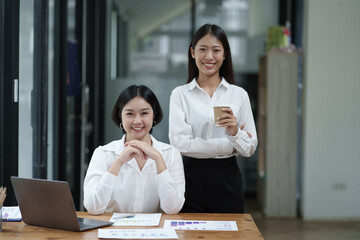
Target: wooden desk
245	223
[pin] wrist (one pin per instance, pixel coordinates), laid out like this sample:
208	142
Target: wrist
232	131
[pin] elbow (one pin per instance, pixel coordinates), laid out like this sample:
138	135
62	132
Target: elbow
247	154
249	150
91	207
174	208
181	145
93	210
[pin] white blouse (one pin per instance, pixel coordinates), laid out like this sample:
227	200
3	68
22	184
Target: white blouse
134	190
192	126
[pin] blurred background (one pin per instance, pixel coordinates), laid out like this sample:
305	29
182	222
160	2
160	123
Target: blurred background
63	64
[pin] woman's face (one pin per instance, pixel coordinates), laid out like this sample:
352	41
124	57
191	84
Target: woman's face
209	55
137	119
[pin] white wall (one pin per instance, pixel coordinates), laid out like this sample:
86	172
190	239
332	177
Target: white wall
331	140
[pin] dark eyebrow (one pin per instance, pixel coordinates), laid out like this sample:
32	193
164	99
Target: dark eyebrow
131	110
216	46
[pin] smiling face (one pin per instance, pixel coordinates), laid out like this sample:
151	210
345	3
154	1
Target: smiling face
209	55
137	119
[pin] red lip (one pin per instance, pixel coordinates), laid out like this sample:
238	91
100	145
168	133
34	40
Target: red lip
137	130
209	65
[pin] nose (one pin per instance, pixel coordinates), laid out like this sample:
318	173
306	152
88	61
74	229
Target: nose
137	119
208	55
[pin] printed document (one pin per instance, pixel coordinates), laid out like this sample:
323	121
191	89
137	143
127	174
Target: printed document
11	214
155	233
201	225
138	219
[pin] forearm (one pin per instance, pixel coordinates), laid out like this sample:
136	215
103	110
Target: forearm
171	194
97	192
243	143
160	164
200	148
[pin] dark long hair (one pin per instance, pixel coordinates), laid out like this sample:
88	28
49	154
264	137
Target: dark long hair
226	69
137	91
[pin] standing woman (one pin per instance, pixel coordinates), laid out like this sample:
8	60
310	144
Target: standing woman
213	179
136	173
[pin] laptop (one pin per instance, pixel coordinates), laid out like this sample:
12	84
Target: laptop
49	203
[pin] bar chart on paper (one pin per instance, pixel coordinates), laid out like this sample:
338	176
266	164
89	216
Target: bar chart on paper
123	219
201	225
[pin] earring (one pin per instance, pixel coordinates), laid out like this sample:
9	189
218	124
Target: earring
121	126
154	124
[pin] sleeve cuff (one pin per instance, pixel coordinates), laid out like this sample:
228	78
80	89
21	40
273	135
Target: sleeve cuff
238	134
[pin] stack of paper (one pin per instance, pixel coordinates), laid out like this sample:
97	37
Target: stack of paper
167	232
11	214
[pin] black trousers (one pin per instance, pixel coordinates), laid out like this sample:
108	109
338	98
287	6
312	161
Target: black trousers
213	186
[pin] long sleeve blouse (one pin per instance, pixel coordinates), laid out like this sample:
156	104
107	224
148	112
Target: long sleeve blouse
134	190
192	125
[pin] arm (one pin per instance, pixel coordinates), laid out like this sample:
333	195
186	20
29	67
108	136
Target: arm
172	183
101	178
98	184
181	134
171	180
244	140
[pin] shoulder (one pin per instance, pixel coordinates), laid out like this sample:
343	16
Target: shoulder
164	147
236	88
181	89
180	92
232	88
111	146
237	91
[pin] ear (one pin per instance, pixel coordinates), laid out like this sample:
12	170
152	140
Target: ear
192	52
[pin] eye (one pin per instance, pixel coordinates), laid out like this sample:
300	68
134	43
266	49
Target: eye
129	114
145	113
202	49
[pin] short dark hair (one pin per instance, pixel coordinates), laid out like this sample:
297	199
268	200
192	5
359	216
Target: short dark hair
226	69
137	91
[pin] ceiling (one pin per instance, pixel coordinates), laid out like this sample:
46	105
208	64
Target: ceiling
146	16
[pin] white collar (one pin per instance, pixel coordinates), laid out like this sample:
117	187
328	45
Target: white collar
119	145
194	84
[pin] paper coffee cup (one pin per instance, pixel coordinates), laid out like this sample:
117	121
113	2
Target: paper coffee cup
218	111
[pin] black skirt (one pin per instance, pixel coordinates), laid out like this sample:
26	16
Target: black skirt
213	186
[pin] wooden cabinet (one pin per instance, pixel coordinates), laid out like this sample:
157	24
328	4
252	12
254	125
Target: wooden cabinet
277	129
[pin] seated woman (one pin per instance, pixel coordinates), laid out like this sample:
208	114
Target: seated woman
136	173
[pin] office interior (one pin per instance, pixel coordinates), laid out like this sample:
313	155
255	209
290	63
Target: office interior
63	64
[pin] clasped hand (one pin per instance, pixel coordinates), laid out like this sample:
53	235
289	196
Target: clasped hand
139	150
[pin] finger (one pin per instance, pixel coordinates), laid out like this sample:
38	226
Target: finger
242	127
231	121
135	151
226	120
140	152
226	115
131	143
228	110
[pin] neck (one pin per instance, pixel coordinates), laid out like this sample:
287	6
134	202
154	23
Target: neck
209	83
